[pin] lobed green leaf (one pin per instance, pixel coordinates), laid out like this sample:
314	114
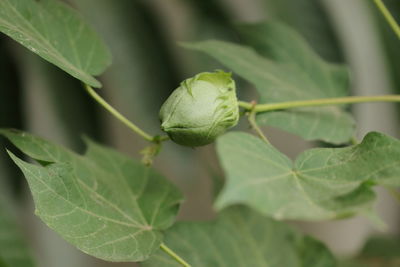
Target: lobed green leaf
103	202
283	67
241	238
58	34
322	183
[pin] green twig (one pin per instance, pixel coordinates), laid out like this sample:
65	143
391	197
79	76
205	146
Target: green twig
319	102
174	255
245	105
122	118
389	18
254	125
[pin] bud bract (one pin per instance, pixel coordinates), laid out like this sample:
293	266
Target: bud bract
200	109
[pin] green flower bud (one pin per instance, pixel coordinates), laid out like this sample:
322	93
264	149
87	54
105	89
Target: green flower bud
200	109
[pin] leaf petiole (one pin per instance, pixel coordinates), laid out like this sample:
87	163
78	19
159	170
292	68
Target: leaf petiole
389	18
318	102
173	255
254	125
122	118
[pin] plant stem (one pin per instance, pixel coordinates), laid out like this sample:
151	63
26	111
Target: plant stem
389	18
121	117
254	125
174	255
245	105
319	102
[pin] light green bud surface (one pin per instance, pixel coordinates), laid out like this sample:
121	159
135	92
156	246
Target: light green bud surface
200	109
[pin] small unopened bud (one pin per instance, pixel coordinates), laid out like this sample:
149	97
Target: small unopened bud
200	109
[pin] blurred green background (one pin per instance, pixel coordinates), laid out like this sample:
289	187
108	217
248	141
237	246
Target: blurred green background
148	64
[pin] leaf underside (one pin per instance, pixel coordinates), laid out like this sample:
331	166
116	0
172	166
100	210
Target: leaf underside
58	34
322	183
103	202
283	67
241	238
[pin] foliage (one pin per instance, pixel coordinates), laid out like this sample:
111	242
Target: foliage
322	183
55	32
240	237
103	202
283	68
118	209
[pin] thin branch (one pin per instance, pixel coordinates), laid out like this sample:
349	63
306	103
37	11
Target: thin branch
121	117
254	125
319	102
389	18
173	255
245	105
